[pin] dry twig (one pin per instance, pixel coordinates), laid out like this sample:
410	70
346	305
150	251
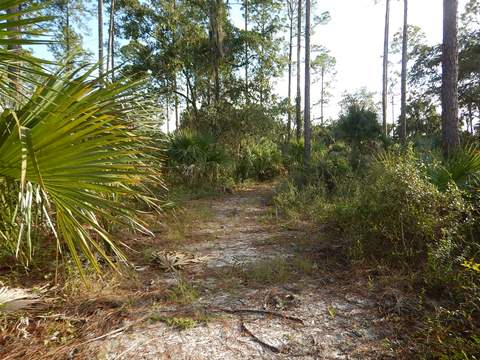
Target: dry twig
255	311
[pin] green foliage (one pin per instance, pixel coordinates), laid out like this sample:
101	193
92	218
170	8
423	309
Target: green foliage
299	203
399	214
18	68
405	212
462	168
183	293
293	155
258	160
330	164
232	125
67	17
333	167
358	124
422	117
71	159
68	159
196	159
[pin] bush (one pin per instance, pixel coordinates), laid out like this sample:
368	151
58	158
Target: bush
258	160
358	124
419	214
293	155
333	167
196	159
299	203
399	214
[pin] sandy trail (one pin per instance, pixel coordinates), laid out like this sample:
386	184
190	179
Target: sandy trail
340	318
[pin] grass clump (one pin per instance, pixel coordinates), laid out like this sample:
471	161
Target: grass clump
267	272
180	323
183	293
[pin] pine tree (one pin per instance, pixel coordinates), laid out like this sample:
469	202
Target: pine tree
450	132
307	120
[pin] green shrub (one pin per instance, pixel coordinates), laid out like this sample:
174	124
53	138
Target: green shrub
299	202
196	159
358	124
258	160
462	168
330	164
414	212
293	155
400	214
333	167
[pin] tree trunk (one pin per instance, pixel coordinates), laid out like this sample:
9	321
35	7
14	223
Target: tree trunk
299	94
191	93
470	119
168	120
13	70
176	101
246	53
188	96
307	123
450	131
393	109
385	68
111	37
322	96
216	40
262	74
290	53
403	104
100	38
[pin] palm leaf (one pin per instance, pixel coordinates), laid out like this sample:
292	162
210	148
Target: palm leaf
17	29
75	155
462	168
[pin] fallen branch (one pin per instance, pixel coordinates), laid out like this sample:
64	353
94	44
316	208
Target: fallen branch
255	311
258	340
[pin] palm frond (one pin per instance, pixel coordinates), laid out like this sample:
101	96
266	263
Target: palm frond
462	168
18	27
75	156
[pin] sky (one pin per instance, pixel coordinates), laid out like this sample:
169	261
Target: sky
354	37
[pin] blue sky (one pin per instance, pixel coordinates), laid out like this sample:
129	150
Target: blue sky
355	37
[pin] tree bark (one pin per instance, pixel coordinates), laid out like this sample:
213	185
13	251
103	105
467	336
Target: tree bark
385	68
299	94
470	119
307	121
393	109
216	39
168	120
246	53
450	131
290	53
403	104
111	37
322	96
175	101
100	37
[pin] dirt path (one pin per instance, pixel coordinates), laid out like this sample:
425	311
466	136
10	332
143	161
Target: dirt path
254	262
